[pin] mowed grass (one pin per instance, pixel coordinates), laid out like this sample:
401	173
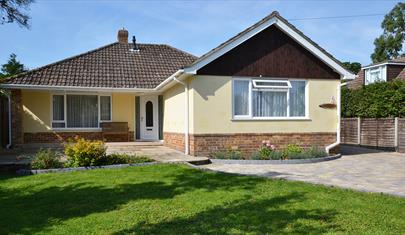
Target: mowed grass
176	199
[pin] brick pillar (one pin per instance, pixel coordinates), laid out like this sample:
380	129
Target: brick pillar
16	117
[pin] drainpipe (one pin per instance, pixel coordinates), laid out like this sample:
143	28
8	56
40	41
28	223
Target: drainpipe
9	123
186	111
329	147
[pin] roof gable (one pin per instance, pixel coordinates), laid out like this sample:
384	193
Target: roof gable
270	53
281	23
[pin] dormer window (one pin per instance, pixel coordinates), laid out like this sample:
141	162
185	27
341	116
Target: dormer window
376	74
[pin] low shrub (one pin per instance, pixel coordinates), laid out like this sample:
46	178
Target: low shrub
46	159
117	158
83	152
228	154
316	152
290	151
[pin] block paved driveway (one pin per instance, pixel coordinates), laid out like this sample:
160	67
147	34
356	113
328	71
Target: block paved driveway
359	168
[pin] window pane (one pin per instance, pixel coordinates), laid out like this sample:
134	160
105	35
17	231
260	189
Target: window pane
297	99
58	125
149	114
58	108
269	104
82	111
105	108
241	97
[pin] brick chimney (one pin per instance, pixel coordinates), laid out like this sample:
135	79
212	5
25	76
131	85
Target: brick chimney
122	35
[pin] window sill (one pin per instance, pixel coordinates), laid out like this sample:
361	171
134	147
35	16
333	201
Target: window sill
271	119
76	129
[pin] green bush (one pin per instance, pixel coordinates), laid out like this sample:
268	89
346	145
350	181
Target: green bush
228	154
276	155
377	100
316	152
46	159
116	158
84	153
291	149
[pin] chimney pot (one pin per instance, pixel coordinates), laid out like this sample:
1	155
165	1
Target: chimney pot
122	35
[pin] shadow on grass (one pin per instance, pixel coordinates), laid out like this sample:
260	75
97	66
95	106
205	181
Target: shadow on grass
247	216
30	208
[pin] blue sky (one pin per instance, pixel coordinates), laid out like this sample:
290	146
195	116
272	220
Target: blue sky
63	28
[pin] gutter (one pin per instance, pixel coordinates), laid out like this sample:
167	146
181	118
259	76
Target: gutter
10	141
186	110
337	143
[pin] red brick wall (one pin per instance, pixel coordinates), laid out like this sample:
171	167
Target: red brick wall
358	82
51	137
16	117
204	144
174	140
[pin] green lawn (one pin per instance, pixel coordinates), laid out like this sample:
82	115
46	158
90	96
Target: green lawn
175	199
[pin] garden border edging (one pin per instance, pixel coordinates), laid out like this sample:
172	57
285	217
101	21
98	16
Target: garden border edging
277	162
71	169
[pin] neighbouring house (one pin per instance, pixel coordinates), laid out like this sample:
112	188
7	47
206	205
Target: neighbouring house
379	72
267	83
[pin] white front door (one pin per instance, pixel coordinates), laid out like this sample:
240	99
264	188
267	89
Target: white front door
149	118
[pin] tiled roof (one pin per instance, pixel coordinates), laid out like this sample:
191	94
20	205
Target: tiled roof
395	60
111	66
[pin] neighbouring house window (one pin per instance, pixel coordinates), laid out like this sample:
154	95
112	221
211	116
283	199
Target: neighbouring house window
268	98
105	108
80	111
375	74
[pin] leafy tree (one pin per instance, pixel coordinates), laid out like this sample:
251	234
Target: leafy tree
11	11
352	66
12	67
390	44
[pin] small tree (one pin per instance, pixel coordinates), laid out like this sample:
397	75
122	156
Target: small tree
11	11
352	66
390	44
12	67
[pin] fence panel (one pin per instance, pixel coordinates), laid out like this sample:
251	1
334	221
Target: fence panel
401	135
374	132
348	132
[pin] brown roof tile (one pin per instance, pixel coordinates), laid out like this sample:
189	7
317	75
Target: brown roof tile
111	66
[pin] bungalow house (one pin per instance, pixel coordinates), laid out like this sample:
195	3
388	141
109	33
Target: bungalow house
266	83
379	72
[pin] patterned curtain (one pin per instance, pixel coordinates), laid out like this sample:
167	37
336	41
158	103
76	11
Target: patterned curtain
269	103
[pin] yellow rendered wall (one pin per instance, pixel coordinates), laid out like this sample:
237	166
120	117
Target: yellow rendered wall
212	112
174	103
123	109
36	111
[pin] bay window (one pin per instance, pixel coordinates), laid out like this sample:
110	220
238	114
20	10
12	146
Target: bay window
261	99
80	111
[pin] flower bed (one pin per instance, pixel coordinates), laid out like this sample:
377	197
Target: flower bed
83	153
269	153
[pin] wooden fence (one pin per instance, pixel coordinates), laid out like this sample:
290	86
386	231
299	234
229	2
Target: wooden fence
384	133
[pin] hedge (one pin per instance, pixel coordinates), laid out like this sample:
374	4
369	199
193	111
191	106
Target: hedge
378	100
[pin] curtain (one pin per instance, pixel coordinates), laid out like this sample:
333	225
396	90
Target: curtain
269	103
58	108
297	99
241	97
82	111
105	108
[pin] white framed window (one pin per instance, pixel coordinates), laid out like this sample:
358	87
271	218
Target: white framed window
80	111
269	99
376	74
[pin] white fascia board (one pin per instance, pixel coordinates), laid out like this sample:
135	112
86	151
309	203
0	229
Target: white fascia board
382	64
73	88
193	69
